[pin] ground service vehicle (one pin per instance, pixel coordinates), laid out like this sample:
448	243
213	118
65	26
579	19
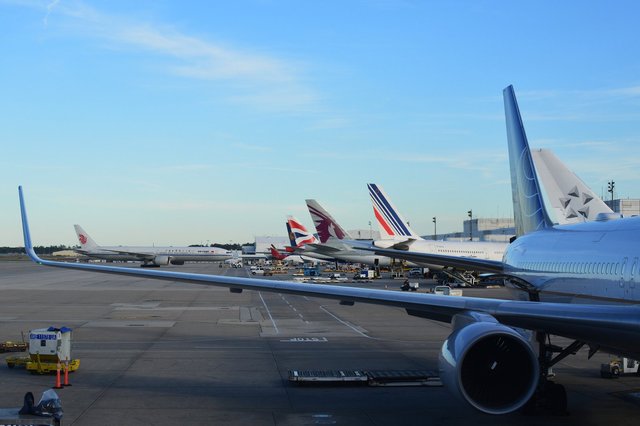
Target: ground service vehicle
619	366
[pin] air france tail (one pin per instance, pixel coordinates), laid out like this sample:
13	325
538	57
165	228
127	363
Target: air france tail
528	206
325	225
391	223
298	234
86	242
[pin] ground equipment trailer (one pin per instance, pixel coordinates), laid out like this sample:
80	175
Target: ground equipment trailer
48	349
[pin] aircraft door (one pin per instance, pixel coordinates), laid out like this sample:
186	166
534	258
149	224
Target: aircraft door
631	288
623	272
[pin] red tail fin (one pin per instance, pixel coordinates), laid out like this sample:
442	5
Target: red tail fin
276	254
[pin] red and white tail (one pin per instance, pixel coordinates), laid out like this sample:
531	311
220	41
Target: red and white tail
86	242
298	234
276	254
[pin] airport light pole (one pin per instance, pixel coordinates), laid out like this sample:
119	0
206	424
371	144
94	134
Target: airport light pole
470	214
435	229
610	186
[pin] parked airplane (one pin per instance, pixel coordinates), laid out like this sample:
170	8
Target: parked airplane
571	199
149	256
397	234
487	360
331	236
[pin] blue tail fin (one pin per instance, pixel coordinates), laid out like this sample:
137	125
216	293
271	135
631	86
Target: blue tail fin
528	206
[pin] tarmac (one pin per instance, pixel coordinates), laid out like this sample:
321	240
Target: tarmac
163	353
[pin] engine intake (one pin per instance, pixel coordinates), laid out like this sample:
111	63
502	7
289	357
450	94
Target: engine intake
489	365
161	260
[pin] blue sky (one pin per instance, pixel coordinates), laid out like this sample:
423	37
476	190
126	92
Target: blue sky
183	122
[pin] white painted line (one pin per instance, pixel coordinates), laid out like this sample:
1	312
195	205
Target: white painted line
346	323
269	312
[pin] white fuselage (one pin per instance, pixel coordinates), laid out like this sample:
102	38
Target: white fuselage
472	249
172	254
592	262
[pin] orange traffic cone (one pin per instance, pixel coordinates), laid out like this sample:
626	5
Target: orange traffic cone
58	385
66	374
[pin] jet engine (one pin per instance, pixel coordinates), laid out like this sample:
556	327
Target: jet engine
161	260
177	262
489	365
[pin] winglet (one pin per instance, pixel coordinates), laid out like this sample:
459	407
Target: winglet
28	246
528	206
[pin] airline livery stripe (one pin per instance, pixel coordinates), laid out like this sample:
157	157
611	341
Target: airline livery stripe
381	221
373	192
389	213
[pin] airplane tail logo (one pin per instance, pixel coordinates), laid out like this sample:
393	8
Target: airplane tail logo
86	242
276	254
325	225
528	205
571	198
390	222
298	234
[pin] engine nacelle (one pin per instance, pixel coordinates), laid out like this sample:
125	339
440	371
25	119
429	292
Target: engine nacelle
489	365
161	260
177	262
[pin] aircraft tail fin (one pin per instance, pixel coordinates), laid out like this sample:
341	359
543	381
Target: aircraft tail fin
298	234
571	199
528	204
86	242
390	222
276	254
326	226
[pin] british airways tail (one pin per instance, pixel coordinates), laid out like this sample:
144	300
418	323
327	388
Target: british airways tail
326	226
298	234
528	206
390	222
86	242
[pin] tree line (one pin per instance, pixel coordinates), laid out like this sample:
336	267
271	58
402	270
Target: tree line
38	249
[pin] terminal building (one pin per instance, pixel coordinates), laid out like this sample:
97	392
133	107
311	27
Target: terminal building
481	229
626	207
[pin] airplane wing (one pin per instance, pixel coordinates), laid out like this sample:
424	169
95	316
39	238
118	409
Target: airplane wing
403	245
612	327
466	263
323	248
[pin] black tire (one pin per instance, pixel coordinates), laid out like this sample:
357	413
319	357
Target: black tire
557	399
615	372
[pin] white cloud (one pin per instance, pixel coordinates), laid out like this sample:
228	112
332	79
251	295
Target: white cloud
257	79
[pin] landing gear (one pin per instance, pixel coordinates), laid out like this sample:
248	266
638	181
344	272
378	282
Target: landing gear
149	265
550	397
